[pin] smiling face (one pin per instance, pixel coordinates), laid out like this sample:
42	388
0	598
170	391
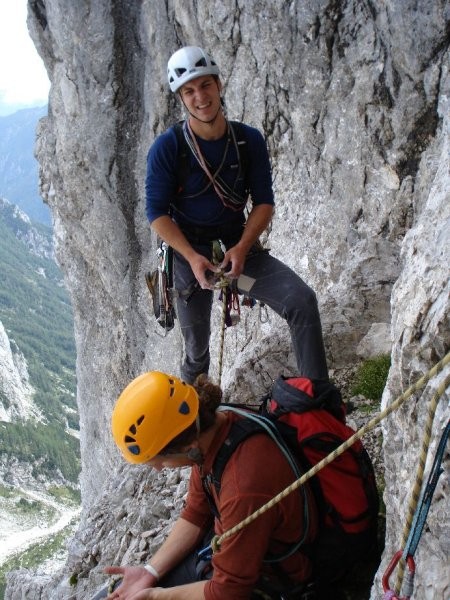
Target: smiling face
201	97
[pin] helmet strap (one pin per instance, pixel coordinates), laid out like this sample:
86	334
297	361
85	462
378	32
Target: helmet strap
195	454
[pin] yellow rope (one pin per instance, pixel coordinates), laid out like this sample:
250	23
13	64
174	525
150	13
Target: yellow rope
415	494
218	540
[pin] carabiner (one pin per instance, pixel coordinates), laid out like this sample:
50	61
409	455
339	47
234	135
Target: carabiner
390	594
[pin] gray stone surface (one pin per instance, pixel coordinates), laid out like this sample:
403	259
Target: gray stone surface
353	100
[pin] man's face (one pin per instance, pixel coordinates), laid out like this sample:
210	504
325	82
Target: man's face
201	97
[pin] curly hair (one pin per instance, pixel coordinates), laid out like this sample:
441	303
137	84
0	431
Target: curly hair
210	397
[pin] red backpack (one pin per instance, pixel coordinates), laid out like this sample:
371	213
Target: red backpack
345	489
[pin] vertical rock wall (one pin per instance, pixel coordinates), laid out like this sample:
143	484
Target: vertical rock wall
352	99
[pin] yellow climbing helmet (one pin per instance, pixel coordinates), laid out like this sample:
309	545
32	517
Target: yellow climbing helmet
151	411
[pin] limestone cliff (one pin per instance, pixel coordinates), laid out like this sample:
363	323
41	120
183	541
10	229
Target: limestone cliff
353	99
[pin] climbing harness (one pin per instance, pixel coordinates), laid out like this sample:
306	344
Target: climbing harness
415	531
160	285
218	540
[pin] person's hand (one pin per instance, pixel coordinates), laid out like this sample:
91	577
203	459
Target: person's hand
204	271
233	262
135	580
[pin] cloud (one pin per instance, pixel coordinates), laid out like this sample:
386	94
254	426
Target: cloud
23	79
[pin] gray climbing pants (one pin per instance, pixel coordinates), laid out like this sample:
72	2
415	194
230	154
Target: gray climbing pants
267	280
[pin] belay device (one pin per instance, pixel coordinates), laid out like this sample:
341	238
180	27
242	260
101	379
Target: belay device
159	282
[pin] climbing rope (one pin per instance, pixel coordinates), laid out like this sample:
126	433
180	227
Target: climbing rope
406	585
218	540
222	283
415	494
415	519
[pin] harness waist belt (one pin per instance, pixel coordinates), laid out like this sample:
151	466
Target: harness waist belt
196	234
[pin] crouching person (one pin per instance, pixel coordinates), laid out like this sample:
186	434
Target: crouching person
163	422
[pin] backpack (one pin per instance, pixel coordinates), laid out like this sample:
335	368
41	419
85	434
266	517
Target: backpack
184	152
309	415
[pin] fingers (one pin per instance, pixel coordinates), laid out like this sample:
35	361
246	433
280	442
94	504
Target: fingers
114	570
201	268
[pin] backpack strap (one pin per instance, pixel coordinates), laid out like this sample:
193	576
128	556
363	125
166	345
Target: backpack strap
242	145
183	166
242	429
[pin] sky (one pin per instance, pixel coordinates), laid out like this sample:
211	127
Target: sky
23	78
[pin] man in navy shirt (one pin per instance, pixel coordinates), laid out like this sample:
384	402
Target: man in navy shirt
209	205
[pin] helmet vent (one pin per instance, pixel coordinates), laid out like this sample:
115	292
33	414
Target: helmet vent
201	63
131	443
139	421
180	71
133	429
184	409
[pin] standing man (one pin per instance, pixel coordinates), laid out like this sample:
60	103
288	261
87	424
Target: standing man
199	181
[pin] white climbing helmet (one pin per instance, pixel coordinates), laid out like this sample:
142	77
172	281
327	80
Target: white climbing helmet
188	63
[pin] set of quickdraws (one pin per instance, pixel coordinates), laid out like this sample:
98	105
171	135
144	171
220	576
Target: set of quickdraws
160	285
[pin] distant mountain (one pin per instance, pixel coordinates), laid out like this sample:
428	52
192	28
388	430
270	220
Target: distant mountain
19	170
38	413
39	431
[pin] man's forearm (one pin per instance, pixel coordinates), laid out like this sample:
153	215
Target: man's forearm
172	235
258	220
182	539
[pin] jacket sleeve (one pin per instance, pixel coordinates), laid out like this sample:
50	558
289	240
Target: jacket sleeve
161	179
259	177
196	509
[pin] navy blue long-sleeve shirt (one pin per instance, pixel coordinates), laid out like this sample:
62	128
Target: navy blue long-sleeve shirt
205	209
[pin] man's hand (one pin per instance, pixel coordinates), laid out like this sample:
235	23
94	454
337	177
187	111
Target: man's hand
204	271
135	580
233	262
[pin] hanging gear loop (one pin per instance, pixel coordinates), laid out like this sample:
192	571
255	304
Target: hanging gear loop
159	283
218	540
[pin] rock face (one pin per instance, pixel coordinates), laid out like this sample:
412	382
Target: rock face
16	392
353	100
